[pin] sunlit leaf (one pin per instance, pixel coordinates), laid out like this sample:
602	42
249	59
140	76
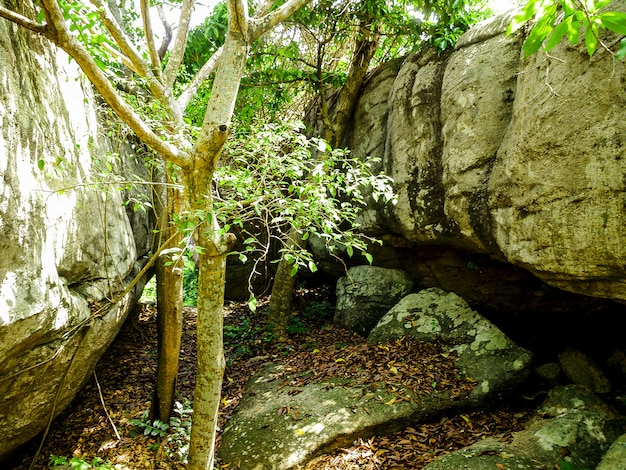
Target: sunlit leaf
591	39
614	21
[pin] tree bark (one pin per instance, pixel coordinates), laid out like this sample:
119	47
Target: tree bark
210	351
335	126
215	246
169	274
282	289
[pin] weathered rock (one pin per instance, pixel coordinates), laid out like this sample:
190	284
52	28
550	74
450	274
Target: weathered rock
549	372
366	293
583	370
492	154
484	352
615	457
573	425
280	424
68	247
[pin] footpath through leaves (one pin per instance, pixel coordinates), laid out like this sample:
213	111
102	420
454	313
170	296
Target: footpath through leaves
126	375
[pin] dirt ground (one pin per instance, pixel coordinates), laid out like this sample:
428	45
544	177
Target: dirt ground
104	427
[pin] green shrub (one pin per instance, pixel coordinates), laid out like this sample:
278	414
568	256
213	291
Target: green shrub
60	462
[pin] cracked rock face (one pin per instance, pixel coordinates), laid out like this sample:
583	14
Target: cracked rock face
484	352
522	160
573	425
68	247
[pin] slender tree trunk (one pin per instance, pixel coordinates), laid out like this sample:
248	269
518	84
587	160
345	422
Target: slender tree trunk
210	351
282	289
214	246
169	316
335	126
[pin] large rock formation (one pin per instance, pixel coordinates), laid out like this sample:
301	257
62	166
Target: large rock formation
285	418
505	161
68	247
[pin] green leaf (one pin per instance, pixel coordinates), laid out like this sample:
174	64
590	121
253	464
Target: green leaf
621	54
41	164
368	257
519	20
312	266
614	21
558	33
591	39
349	250
252	302
601	4
539	33
294	270
573	31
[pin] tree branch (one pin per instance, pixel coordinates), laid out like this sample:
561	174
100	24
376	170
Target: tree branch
144	6
180	43
60	35
259	26
238	20
168	32
196	82
22	21
119	36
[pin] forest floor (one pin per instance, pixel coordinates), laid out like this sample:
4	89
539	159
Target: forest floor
105	427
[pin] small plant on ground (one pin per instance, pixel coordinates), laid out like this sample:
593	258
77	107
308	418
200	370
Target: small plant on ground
296	326
319	310
60	462
176	445
154	428
175	436
564	465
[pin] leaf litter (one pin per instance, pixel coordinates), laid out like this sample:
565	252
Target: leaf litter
318	351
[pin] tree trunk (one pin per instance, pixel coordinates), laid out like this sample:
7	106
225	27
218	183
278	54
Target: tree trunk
282	289
364	51
215	246
169	316
335	126
210	351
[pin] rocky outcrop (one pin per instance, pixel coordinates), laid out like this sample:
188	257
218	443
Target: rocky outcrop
518	160
573	428
69	245
365	294
284	418
484	352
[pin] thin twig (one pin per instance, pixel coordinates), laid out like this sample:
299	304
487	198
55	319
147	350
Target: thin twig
117	434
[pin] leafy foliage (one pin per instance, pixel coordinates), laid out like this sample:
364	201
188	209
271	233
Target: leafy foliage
313	49
154	428
556	19
274	180
60	462
176	434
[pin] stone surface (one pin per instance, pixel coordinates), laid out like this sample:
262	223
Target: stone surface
615	457
484	352
68	246
365	294
518	159
583	370
573	426
280	424
278	427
